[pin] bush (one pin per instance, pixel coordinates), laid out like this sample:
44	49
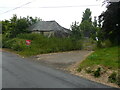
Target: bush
107	43
4	41
7	43
79	69
97	72
113	77
118	80
99	45
32	36
19	44
15	43
41	44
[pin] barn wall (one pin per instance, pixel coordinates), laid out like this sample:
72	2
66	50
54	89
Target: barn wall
35	32
48	33
56	33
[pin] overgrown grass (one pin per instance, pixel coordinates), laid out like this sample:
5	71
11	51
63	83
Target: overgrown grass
40	44
89	44
107	57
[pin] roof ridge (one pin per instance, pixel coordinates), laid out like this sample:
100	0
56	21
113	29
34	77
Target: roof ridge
48	21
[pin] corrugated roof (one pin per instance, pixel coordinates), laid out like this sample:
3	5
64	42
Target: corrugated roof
47	26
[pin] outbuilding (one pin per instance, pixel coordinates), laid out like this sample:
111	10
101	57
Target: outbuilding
49	28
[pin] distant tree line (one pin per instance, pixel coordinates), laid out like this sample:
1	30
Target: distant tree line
86	28
107	27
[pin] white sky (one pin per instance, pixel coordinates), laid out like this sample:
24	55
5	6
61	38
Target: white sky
51	9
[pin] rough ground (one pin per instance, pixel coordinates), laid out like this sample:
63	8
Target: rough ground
63	60
69	61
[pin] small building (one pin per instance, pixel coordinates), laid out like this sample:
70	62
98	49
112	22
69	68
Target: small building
49	28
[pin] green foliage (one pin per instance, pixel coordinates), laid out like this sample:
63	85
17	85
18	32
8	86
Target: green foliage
97	72
118	78
87	28
76	33
107	57
93	57
40	44
95	22
88	44
111	22
99	44
86	25
0	40
106	43
32	36
11	28
87	15
113	77
15	44
5	41
79	69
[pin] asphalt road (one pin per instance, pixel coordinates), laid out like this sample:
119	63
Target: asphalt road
21	73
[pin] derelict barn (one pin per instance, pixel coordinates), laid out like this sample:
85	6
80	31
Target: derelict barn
49	28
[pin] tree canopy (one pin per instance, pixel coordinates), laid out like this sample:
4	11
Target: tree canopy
14	26
87	15
76	32
111	22
86	26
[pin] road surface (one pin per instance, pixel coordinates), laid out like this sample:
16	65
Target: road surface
18	72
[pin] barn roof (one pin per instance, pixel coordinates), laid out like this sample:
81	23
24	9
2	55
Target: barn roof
47	26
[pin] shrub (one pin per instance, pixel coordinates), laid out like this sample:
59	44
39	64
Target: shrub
99	45
118	80
41	44
19	44
7	43
97	72
79	69
113	77
107	43
32	36
15	43
4	41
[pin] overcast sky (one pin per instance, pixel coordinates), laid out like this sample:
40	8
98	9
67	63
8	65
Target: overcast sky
63	11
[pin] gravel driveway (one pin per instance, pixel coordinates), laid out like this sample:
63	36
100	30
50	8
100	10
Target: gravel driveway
63	59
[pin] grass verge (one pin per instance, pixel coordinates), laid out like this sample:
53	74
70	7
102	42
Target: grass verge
107	57
103	64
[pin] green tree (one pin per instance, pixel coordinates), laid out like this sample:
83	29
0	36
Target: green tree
76	33
111	22
86	25
95	22
87	28
14	26
87	15
18	25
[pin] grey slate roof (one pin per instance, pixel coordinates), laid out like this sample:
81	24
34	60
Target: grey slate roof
47	26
